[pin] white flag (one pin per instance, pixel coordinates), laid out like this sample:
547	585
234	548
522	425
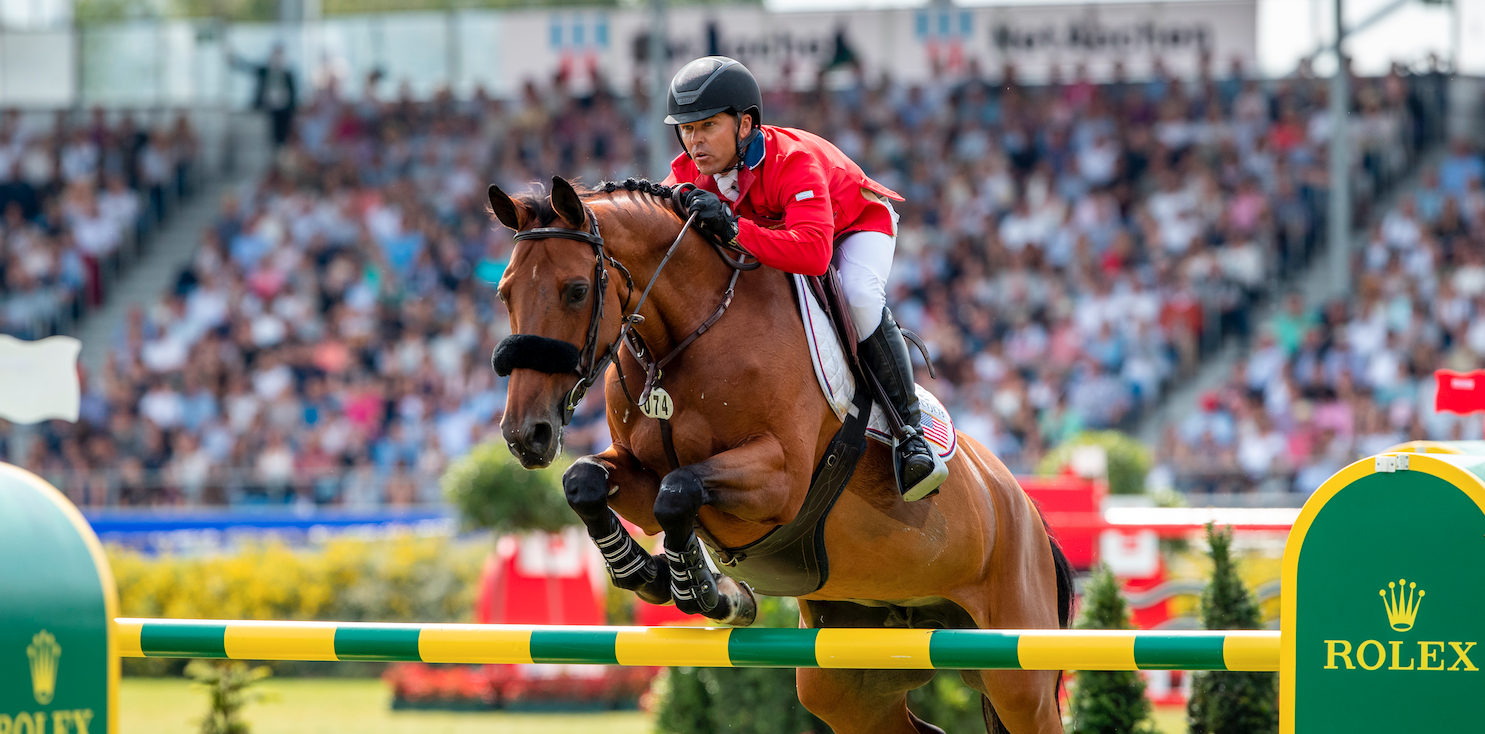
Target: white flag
38	380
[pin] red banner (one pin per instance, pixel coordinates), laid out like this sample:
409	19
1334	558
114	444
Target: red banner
1459	392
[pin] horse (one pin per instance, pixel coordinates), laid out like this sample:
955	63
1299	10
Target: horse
747	425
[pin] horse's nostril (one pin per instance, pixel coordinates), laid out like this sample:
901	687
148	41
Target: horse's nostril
540	437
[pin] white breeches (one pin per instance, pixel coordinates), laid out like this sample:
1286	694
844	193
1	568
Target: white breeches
865	260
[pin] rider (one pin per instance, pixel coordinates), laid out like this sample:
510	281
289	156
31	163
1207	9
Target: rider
790	195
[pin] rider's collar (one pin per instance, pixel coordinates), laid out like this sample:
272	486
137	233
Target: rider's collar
753	155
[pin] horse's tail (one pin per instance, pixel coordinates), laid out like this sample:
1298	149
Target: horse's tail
1065	592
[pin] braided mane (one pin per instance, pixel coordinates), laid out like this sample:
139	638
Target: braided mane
666	194
536	199
642	185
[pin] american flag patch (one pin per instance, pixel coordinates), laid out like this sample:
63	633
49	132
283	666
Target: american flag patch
936	425
938	433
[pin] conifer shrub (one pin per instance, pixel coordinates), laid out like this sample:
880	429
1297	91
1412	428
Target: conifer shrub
1230	702
765	700
1108	701
736	700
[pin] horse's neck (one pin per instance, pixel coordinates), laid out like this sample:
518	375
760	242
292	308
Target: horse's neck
689	288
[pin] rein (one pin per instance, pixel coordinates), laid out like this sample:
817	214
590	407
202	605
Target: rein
653	400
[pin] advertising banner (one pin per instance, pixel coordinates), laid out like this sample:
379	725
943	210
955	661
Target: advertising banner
913	45
181	61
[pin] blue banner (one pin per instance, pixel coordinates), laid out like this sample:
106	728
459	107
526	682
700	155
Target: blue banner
209	530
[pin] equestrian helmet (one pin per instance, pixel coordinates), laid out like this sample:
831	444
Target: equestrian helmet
709	85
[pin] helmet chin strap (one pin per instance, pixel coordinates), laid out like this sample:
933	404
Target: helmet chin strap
743	143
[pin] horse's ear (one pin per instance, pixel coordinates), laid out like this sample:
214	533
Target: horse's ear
567	203
510	212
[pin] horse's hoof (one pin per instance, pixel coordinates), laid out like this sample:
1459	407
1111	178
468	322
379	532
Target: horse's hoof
743	605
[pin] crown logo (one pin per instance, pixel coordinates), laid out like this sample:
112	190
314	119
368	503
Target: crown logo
45	655
1402	600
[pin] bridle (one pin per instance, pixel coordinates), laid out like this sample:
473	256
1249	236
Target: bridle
590	364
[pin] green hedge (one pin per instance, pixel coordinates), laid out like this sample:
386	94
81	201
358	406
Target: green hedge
1129	460
401	580
1235	702
492	491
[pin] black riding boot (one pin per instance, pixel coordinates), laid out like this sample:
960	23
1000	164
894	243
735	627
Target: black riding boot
920	471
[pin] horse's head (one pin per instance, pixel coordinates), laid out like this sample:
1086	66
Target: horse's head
549	290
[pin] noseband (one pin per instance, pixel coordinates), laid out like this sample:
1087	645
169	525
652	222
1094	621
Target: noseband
555	356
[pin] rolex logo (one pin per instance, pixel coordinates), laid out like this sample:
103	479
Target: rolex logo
1402	600
45	655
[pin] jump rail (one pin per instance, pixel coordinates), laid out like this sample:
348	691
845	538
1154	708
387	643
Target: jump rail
701	647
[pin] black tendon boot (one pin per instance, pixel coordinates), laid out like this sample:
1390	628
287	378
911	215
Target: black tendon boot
920	471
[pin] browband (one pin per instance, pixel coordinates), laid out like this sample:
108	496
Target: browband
591	238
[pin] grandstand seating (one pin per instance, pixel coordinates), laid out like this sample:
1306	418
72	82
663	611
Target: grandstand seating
76	198
1330	382
1067	250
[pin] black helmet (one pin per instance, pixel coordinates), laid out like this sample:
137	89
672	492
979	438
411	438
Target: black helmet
710	85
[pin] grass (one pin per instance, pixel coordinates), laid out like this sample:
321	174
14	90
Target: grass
334	706
363	706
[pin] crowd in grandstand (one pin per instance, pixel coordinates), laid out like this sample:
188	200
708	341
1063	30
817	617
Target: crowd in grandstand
1354	376
1067	249
73	194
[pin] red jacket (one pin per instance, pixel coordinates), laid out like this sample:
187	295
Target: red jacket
799	194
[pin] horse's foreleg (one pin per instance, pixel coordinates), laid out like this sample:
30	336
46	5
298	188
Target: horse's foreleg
588	485
744	478
694	586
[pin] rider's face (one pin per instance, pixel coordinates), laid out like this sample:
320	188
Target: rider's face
712	142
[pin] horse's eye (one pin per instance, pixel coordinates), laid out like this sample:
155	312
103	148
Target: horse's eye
577	292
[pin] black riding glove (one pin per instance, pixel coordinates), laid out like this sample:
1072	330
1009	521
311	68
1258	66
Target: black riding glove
713	217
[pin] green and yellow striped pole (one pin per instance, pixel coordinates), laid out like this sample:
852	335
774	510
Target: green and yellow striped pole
702	647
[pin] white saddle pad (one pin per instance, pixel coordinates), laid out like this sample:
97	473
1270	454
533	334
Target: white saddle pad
839	385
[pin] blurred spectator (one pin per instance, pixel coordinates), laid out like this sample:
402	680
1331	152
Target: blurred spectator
70	205
274	93
1354	376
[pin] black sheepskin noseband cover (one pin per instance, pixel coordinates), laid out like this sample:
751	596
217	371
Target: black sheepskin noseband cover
528	351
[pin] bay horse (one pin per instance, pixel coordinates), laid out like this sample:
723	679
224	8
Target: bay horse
749	425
